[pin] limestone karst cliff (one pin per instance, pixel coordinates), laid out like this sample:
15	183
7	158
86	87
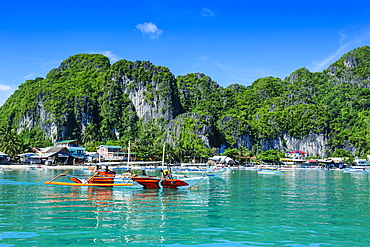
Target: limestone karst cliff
88	98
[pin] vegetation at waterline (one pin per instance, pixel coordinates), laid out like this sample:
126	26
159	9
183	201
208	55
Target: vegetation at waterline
89	99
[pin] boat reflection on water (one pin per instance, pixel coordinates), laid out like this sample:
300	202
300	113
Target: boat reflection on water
101	196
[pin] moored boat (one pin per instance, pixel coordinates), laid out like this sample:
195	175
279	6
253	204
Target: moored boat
167	181
100	178
199	171
356	170
269	171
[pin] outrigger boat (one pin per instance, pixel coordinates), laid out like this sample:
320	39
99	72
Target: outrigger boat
167	181
203	172
356	170
100	178
269	171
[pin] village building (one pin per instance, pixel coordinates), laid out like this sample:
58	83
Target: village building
48	156
114	154
4	158
296	154
77	152
223	160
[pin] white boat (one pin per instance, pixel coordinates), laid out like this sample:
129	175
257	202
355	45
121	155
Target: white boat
269	171
199	171
356	170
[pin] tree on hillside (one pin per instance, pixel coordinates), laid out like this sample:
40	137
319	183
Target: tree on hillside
348	157
270	156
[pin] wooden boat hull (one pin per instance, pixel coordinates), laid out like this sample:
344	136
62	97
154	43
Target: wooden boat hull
147	182
157	183
88	184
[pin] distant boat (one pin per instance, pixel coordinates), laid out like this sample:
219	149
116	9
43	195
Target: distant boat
206	171
356	170
3	169
269	171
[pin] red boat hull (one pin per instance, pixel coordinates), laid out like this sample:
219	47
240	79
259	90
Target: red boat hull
156	183
147	182
173	183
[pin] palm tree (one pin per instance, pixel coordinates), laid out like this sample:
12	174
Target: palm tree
10	142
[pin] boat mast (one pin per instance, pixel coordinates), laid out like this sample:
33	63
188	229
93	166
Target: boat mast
128	156
163	156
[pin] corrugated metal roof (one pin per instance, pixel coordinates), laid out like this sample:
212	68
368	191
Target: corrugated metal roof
108	146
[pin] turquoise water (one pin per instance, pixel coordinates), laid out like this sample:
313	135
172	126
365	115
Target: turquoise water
239	208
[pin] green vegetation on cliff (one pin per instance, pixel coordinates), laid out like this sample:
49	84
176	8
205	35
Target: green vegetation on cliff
89	99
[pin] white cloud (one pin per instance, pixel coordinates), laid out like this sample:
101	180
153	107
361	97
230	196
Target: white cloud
200	61
244	76
52	64
5	92
29	76
348	41
207	12
112	57
150	29
5	88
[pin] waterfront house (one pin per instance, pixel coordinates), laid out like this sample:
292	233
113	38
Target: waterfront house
296	154
56	155
4	158
114	153
48	156
68	143
222	160
32	158
77	152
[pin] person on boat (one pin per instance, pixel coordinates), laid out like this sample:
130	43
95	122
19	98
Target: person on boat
166	174
143	173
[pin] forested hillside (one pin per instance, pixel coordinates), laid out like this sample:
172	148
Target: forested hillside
89	99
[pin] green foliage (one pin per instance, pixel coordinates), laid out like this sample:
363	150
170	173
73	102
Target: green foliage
11	143
91	100
271	156
198	93
35	138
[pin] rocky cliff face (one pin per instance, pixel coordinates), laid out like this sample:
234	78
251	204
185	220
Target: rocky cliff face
88	98
314	144
204	128
86	89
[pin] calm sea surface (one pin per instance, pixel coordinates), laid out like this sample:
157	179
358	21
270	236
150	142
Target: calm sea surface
239	208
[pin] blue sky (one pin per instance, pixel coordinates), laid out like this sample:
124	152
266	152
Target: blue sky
230	41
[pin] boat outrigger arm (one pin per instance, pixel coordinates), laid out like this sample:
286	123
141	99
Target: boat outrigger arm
83	184
101	179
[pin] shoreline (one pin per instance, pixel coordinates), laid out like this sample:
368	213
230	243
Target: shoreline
25	167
